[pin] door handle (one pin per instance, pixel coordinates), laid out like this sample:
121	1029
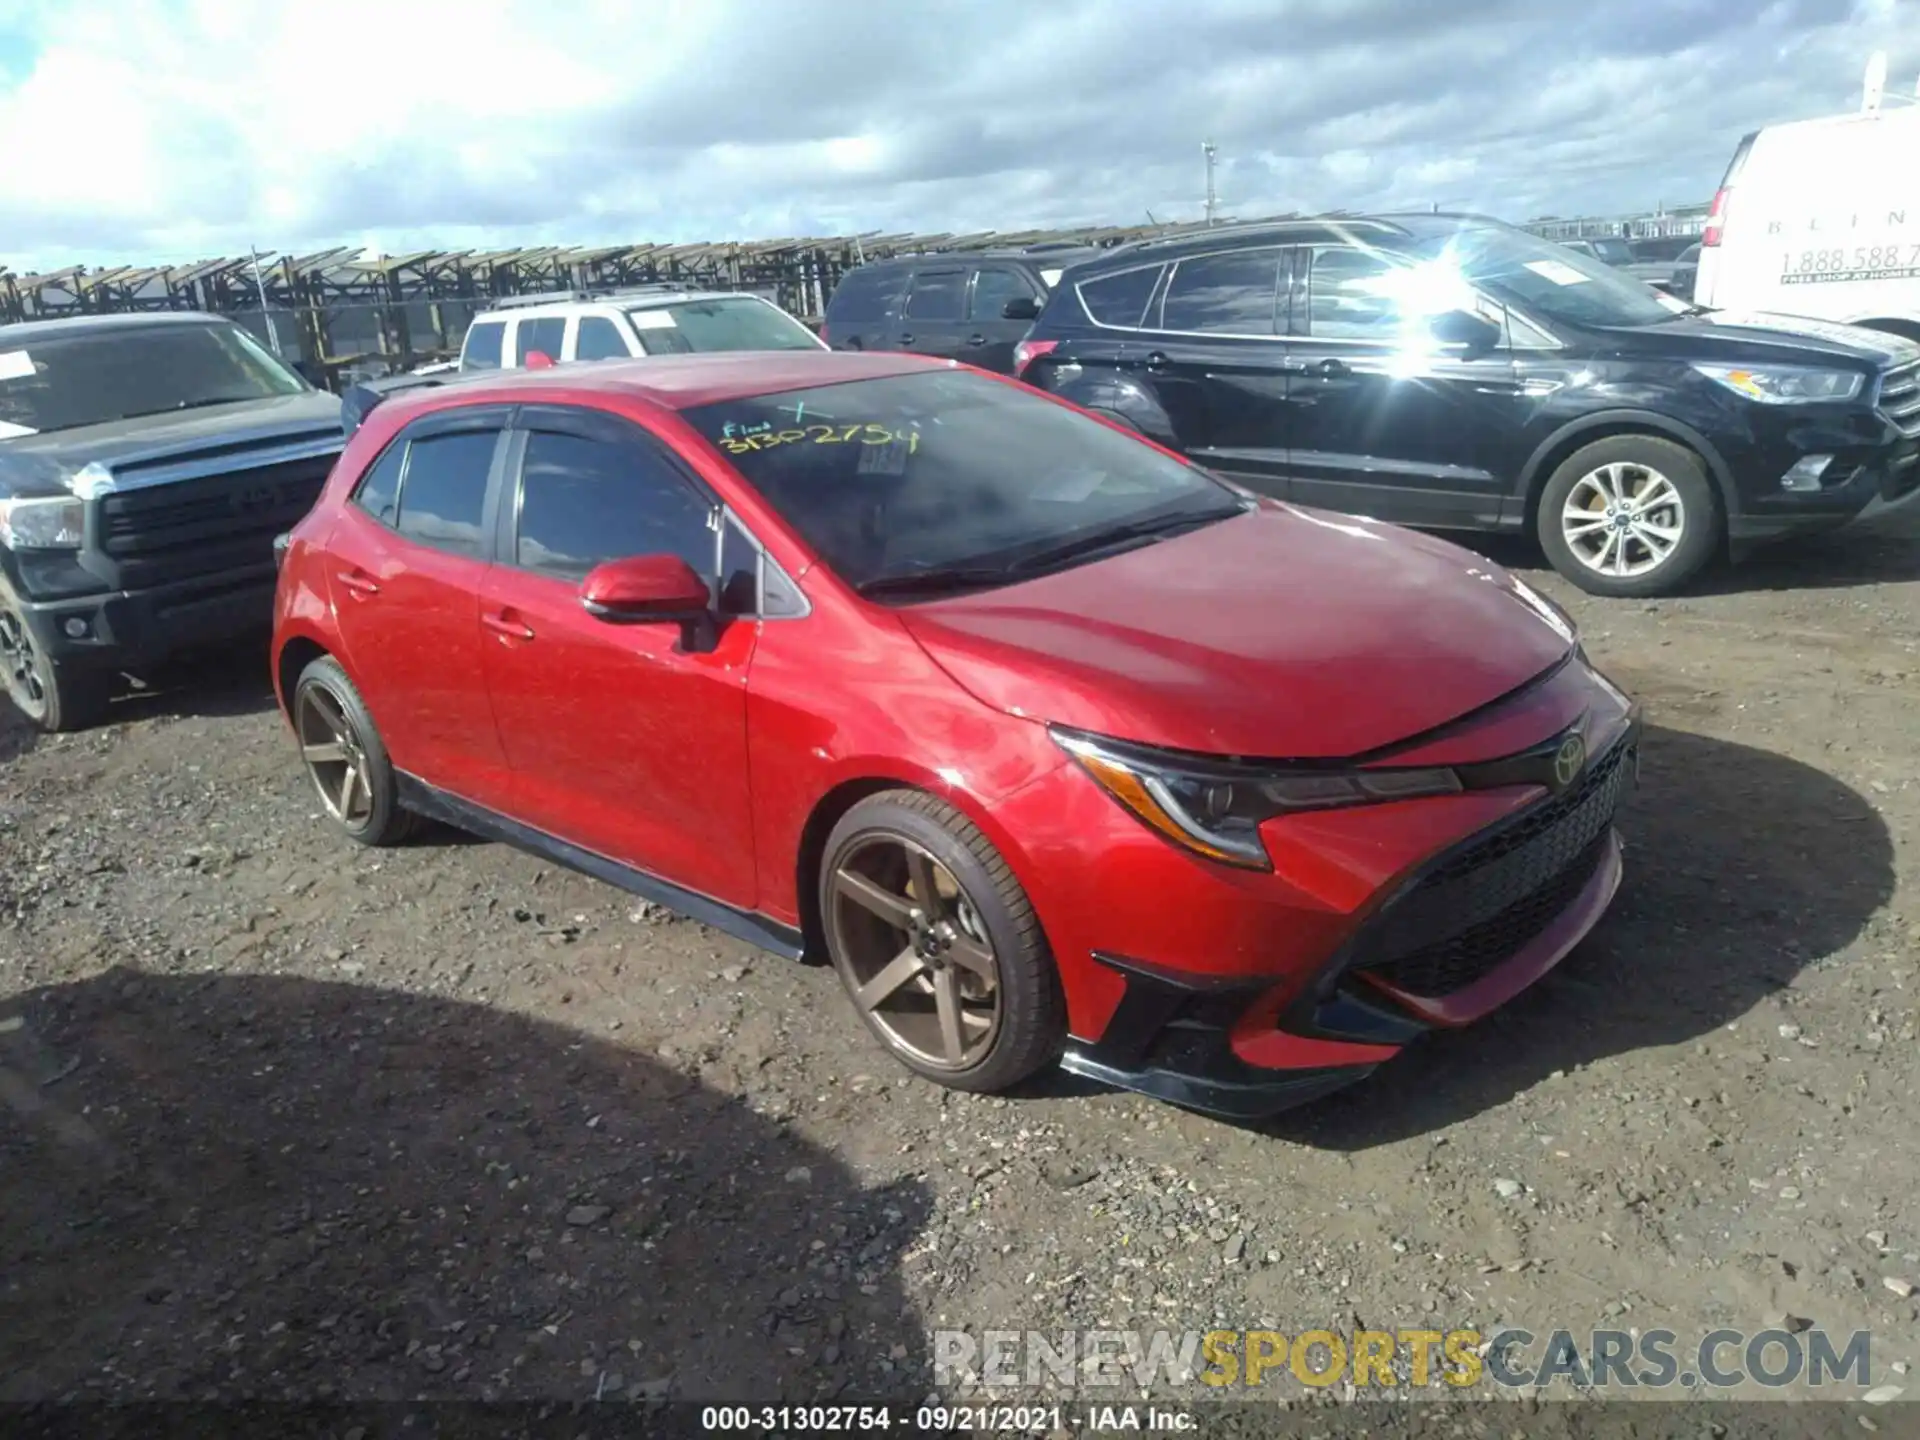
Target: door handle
906	339
1332	369
1293	367
1157	360
976	339
358	583
505	625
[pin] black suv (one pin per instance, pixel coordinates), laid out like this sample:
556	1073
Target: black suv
972	306
146	464
1451	371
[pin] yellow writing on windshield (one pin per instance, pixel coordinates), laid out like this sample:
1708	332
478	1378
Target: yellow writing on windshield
855	434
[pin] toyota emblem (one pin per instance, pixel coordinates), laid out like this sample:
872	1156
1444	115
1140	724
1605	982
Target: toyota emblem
1568	760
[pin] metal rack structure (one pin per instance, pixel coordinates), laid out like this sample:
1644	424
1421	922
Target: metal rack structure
341	315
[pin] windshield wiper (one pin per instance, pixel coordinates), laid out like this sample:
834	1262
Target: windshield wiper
1109	537
935	579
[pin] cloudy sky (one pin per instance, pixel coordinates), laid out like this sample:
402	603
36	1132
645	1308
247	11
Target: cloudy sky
152	130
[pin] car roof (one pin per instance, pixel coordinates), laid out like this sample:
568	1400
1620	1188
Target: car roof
1042	259
674	382
1384	229
641	301
31	331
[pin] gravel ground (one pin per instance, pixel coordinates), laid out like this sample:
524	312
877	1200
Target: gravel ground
289	1119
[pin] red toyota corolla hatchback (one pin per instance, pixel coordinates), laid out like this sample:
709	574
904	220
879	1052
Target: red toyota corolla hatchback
1059	748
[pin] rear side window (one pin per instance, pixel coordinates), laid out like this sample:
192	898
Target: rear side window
545	334
443	490
937	295
1230	294
379	492
598	339
482	350
865	294
1119	300
1351	295
584	501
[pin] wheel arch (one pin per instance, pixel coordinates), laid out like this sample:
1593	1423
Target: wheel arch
296	652
1609	424
1903	326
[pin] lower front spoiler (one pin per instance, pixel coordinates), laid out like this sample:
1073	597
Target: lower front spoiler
1253	1099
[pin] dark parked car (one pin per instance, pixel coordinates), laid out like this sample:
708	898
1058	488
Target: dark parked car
1455	372
146	464
972	306
927	673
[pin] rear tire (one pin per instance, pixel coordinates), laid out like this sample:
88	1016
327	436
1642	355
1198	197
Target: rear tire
53	698
345	757
937	944
1629	516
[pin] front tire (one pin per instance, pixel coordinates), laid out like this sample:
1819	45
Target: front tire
54	698
345	757
1630	517
938	945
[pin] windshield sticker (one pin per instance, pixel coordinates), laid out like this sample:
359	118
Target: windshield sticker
889	458
1558	273
15	365
11	431
653	320
745	439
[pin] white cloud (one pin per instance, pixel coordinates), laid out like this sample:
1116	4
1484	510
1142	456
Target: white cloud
135	129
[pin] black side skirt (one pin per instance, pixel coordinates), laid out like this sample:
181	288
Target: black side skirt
437	804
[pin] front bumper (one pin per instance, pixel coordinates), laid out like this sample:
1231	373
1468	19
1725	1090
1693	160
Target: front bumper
132	629
1877	478
1455	939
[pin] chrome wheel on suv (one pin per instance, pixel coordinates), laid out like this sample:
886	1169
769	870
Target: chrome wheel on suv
1623	519
937	944
1630	516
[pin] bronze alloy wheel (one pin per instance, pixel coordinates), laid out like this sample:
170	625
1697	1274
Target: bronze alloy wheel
914	953
334	756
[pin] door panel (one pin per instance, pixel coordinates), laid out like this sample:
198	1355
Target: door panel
406	589
1382	420
990	336
626	739
1214	358
933	319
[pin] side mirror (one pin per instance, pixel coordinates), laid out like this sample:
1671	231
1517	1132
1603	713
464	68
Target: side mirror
1023	308
644	589
1461	327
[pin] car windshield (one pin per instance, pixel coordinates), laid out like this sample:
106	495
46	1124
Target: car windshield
738	323
94	377
902	479
1546	280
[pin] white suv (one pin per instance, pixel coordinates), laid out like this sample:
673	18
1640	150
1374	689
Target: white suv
619	326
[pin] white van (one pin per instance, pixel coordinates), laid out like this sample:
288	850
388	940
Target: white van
618	326
1821	218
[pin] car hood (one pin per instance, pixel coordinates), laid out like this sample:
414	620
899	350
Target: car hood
1754	337
1283	633
220	437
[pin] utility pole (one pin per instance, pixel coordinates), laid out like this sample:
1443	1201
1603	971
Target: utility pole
1213	199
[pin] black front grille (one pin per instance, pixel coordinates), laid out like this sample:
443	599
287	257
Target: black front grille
1473	911
1900	398
201	526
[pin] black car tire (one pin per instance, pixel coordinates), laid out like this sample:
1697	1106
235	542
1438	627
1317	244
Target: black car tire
1029	1030
324	693
55	699
1635	467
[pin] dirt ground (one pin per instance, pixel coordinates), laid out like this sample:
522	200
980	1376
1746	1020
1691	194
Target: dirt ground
285	1118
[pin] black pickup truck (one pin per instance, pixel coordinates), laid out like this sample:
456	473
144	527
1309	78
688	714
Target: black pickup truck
146	464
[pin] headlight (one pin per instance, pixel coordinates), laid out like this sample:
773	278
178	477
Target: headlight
1216	809
1786	384
56	523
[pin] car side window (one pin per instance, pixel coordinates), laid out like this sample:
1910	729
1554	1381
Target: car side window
598	339
1119	301
1227	294
937	295
546	333
1351	296
378	492
864	294
585	501
992	289
482	350
739	571
443	491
